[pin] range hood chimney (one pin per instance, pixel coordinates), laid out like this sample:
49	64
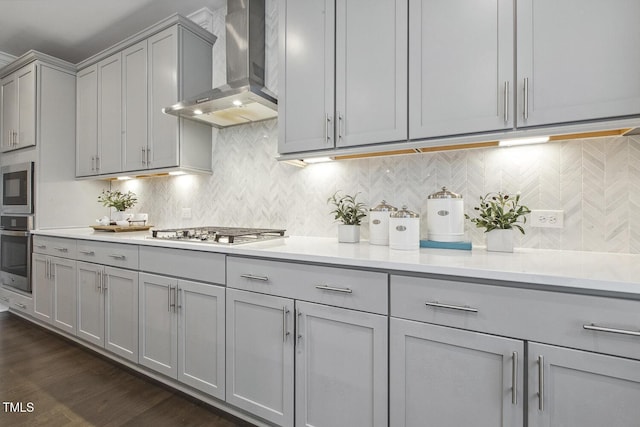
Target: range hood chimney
244	98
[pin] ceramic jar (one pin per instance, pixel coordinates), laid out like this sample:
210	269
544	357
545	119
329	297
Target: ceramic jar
445	216
404	230
379	223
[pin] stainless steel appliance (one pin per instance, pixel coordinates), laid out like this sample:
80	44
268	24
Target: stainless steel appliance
17	188
15	251
218	235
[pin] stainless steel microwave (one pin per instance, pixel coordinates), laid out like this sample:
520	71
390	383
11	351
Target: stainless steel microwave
17	188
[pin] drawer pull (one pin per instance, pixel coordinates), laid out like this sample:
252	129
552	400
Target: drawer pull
20	305
332	289
62	249
5	299
252	277
41	246
87	252
593	327
116	256
451	307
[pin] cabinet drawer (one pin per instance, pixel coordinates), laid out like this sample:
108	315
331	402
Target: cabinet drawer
341	287
114	254
196	265
56	246
16	301
543	316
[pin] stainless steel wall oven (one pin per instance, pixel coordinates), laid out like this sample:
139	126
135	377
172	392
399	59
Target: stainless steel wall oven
15	251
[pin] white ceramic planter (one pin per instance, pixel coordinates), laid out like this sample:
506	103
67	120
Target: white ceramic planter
500	240
348	233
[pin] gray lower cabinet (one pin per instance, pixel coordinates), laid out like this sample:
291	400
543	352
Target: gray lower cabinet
182	331
441	376
54	291
259	346
577	388
341	367
108	308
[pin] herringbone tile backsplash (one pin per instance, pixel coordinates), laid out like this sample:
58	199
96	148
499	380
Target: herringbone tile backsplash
596	182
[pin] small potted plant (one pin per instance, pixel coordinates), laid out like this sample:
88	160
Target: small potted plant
119	201
499	214
350	212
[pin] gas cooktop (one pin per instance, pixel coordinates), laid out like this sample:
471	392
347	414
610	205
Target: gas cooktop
218	235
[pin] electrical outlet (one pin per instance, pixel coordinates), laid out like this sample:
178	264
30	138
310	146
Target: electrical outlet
186	213
547	218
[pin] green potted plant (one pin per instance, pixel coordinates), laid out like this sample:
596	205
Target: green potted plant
499	213
349	212
119	201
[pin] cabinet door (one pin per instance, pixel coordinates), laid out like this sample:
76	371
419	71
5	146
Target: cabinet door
260	355
110	114
135	103
163	92
371	71
577	60
578	388
201	342
63	280
121	312
341	367
87	121
90	303
158	324
306	87
442	376
460	67
42	288
26	121
9	113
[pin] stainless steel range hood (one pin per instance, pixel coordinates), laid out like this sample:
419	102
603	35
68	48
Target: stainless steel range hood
244	98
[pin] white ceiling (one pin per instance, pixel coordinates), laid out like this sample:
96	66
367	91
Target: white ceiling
74	30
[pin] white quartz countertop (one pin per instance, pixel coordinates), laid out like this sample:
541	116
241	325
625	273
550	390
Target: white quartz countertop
591	272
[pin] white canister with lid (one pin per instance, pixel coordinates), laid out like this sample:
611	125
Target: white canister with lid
379	223
404	230
445	216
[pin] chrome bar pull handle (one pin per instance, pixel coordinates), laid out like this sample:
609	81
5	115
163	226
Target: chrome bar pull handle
592	327
172	297
144	156
148	156
62	249
340	125
178	304
97	163
41	246
285	332
332	289
20	305
541	383
87	252
436	304
99	282
253	277
93	163
514	378
506	101
118	256
169	299
298	325
328	129
525	98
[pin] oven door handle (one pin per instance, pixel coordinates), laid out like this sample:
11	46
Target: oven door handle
15	233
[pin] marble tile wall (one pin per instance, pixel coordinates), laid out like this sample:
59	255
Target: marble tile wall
596	182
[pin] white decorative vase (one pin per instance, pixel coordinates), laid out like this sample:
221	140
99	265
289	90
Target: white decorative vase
500	240
119	216
348	233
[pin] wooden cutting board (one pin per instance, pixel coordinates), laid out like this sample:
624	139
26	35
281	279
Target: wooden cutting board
117	228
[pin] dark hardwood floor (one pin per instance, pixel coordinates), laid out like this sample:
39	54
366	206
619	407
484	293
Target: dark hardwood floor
71	386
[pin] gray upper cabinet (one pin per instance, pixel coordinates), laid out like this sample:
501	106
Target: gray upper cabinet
158	67
18	114
460	67
344	80
87	121
577	60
